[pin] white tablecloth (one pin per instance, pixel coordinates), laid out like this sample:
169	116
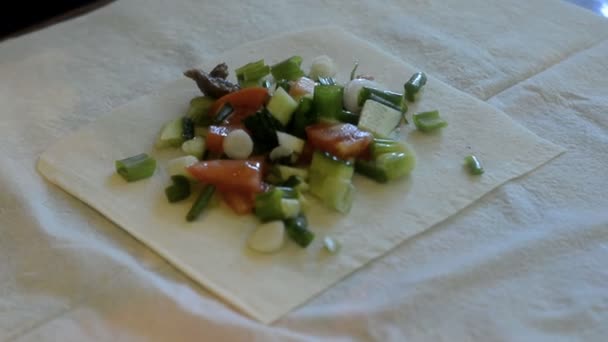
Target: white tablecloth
526	262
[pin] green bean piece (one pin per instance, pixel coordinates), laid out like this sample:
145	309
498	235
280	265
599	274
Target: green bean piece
201	203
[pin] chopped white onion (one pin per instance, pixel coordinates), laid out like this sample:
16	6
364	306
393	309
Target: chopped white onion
238	144
352	90
322	66
268	237
178	166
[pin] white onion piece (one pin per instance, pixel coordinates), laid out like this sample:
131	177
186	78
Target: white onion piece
352	90
268	237
238	144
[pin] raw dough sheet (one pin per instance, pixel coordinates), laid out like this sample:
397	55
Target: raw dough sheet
213	250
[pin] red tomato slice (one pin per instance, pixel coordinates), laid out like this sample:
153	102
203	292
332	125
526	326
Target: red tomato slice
342	140
240	203
250	98
229	175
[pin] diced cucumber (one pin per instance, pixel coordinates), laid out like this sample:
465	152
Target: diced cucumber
199	110
324	164
282	106
396	164
378	118
172	134
387	167
335	192
194	147
330	181
283	172
290	142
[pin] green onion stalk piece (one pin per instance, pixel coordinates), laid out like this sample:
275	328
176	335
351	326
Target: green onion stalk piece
297	230
136	167
474	165
389	98
327	100
276	204
414	85
429	121
288	69
252	72
179	190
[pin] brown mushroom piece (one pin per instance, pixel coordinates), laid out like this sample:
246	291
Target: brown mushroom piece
212	86
220	71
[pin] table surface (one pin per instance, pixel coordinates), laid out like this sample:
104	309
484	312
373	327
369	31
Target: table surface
525	262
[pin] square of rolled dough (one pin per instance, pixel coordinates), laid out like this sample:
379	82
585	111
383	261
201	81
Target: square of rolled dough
213	250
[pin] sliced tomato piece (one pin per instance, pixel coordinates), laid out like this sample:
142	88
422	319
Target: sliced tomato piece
342	140
248	98
241	203
229	175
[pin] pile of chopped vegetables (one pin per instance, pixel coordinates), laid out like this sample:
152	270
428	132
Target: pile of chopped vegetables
280	136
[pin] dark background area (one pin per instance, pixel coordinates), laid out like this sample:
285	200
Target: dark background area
20	17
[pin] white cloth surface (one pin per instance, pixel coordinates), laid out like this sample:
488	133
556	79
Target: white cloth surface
526	262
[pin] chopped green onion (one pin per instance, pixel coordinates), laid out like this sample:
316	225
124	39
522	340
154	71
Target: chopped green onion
348	117
327	100
135	168
275	205
414	85
387	98
253	71
288	69
383	101
302	117
223	113
352	72
429	121
381	146
297	230
179	190
331	245
200	203
371	170
188	128
474	165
